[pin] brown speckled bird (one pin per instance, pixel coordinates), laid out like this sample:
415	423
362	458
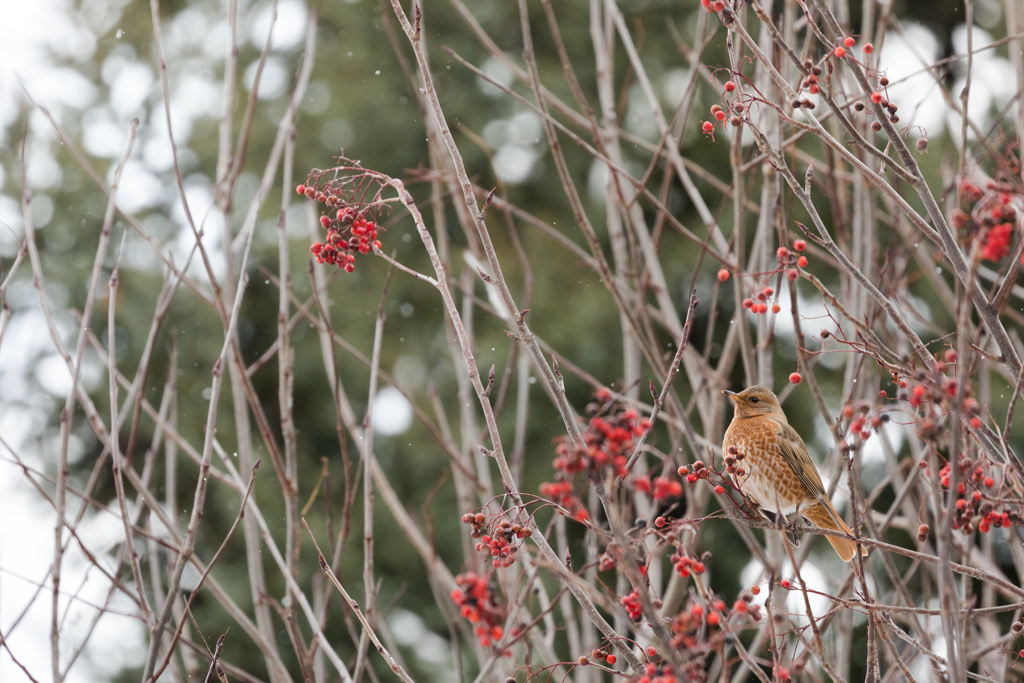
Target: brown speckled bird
782	477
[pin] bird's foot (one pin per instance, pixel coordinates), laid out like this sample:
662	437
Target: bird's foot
790	527
793	527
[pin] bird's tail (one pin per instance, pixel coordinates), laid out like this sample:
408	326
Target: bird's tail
829	519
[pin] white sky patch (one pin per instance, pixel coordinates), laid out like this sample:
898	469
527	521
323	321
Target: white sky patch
431	649
497	133
185	31
130	89
525	128
989	76
499	71
139	188
42	171
514	163
209	221
101	136
273	80
289	28
919	97
814	578
673	86
872	452
639	118
392	413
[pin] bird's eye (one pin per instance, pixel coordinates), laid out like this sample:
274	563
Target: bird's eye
754	399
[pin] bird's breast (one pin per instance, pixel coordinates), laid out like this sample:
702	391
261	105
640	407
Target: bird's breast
770	481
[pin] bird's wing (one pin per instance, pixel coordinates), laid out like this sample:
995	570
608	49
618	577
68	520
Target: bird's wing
795	453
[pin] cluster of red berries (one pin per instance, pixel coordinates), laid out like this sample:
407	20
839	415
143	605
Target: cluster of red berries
660	488
720	114
700	471
608	443
761	305
713	6
606	562
936	392
692	473
348	232
633	607
788	257
684	565
973	511
890	109
862	421
811	83
609	440
561	493
477	604
988	214
840	50
501	542
657	673
597	656
734	107
788	260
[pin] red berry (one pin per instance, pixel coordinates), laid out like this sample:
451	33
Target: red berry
876	97
729	86
723	275
782	252
748	303
325	221
652	651
795	378
719	490
975	423
301	189
707	126
799	245
802	261
850	41
610	659
791	273
868	48
768	291
784	583
776	308
713	619
659	522
989	482
840	52
720	115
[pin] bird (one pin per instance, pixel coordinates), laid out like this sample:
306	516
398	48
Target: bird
782	477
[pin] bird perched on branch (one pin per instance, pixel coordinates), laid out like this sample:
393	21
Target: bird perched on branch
782	477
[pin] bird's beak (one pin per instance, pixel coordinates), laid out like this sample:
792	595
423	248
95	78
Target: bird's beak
731	394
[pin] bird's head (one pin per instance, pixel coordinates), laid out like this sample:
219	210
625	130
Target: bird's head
755	400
